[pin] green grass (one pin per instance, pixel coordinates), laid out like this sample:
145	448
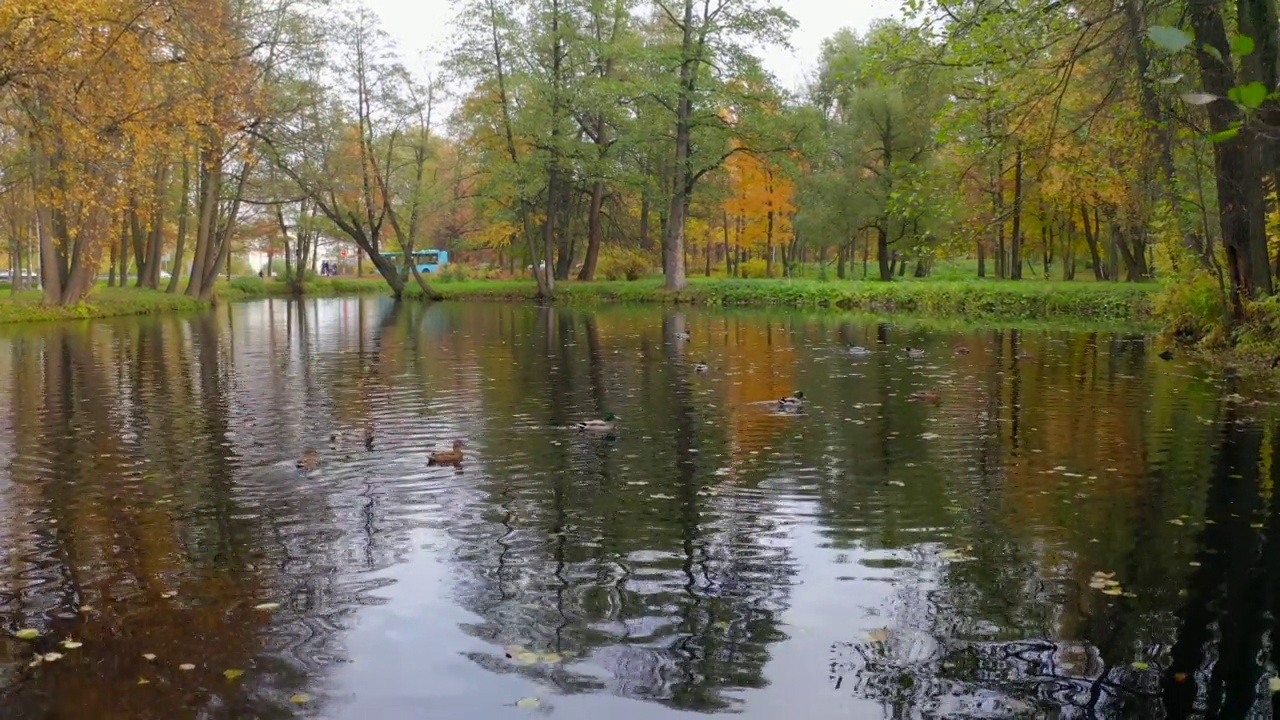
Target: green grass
969	299
103	302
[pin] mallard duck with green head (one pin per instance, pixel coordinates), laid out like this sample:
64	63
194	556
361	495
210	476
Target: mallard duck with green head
792	402
608	424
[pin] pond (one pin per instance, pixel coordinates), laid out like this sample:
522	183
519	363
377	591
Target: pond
1073	527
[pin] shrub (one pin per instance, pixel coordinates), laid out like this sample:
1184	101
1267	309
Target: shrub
617	263
754	268
249	285
1191	309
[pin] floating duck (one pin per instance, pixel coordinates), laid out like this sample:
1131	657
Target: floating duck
684	336
1168	355
308	460
701	367
961	349
447	457
915	352
792	402
608	424
368	437
931	395
859	351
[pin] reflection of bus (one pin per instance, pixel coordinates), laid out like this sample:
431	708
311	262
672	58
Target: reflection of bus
428	261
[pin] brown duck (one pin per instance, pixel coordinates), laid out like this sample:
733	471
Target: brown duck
932	395
444	457
308	460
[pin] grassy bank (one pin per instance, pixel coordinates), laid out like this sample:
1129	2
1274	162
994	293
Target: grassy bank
103	303
967	299
962	299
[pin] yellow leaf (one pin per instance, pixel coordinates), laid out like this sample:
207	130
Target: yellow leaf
186	667
1113	591
529	702
1274	684
149	656
267	606
143	681
1140	665
300	698
27	634
232	674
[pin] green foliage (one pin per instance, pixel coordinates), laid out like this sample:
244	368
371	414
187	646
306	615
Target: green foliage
1191	308
249	286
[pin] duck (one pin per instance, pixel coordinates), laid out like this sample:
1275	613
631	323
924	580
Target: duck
608	424
859	351
931	395
792	402
684	336
961	349
915	352
308	460
447	457
701	367
1168	355
368	437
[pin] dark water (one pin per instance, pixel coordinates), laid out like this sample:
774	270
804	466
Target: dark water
872	557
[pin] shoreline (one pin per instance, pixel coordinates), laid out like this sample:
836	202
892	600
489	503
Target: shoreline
1105	305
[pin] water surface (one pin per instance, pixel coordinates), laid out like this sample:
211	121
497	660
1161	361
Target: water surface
874	556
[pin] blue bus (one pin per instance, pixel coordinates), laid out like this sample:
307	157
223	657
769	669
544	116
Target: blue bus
428	261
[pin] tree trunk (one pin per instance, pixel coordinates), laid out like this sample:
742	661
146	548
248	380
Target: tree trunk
1015	246
882	251
184	212
595	230
1236	161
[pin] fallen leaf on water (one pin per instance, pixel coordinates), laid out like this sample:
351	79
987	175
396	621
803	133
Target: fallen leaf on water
898	483
300	698
267	606
1274	684
529	702
86	608
232	674
930	436
52	657
1175	521
550	658
149	656
143	681
186	666
35	661
526	657
1179	677
1140	665
169	594
1113	591
1193	563
71	644
27	634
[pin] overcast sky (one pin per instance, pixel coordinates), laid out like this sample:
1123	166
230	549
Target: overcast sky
419	25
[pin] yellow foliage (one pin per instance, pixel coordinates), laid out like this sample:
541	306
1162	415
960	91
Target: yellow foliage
762	200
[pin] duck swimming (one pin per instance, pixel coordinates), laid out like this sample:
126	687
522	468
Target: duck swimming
684	336
859	351
932	395
960	350
447	457
792	402
608	424
915	352
308	460
368	437
701	367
